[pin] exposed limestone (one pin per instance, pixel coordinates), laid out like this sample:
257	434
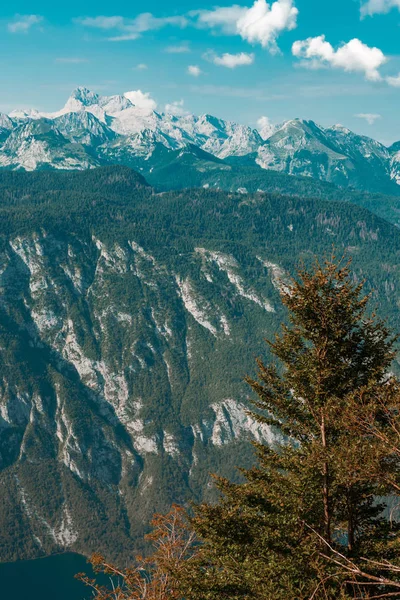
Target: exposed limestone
231	422
109	355
228	264
192	305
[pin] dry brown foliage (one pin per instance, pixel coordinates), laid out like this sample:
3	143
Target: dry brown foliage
157	576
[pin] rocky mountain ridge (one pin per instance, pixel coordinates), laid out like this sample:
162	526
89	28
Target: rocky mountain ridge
128	319
93	130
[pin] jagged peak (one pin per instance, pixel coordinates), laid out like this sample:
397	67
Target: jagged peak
115	104
36	126
193	150
299	123
30	113
301	126
79	116
84	96
214	121
339	127
6	122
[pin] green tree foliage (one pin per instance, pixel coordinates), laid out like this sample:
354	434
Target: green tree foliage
309	501
115	206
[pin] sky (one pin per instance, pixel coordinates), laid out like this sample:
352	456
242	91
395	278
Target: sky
253	62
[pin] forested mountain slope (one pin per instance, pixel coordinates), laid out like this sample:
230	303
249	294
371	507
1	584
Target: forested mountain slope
128	319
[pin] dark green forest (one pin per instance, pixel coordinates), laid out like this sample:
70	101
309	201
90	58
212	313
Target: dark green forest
68	271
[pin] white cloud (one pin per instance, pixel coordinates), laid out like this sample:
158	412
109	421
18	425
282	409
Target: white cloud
263	122
265	127
194	70
264	23
102	22
125	37
131	29
352	57
23	23
373	7
394	81
141	99
176	108
260	24
148	22
231	61
369	117
141	67
224	18
180	49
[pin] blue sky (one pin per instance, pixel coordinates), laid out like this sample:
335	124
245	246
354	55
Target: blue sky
246	59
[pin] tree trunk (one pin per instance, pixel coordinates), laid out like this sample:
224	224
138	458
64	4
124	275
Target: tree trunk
325	489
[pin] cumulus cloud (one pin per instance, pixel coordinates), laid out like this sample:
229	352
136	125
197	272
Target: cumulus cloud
231	61
131	29
261	24
194	70
351	57
369	117
141	99
176	108
264	23
23	23
265	127
141	67
373	7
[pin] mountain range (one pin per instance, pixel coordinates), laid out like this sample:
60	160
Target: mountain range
93	130
133	302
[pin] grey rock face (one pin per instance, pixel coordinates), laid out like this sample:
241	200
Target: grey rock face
91	130
109	348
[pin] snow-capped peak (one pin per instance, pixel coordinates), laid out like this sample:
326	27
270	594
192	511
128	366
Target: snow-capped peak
114	104
127	129
84	96
340	128
78	100
31	113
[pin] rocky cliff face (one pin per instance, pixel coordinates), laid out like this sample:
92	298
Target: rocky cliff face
92	130
335	154
109	405
128	319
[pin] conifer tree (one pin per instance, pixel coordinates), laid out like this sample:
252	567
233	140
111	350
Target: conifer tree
278	535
